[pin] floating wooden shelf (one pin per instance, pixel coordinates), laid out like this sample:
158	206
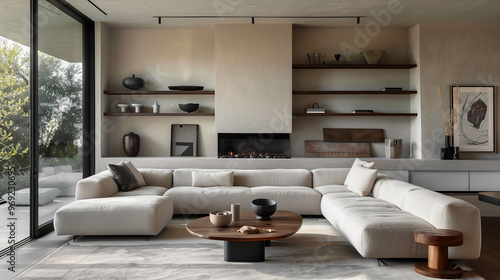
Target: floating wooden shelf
376	92
355	114
159	92
158	114
354	66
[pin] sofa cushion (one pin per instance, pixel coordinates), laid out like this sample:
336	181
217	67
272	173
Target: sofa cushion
272	177
370	224
326	189
137	174
146	190
196	200
361	178
299	199
329	176
183	176
212	179
123	177
157	177
142	215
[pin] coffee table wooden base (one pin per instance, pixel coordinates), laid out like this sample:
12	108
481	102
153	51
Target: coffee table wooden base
238	251
450	273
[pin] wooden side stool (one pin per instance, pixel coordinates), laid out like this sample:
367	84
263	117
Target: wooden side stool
438	240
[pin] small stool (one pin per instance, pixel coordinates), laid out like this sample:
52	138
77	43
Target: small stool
438	240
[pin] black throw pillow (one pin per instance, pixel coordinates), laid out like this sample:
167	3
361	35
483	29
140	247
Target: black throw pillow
123	177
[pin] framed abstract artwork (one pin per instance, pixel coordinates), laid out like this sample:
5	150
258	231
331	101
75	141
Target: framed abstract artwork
184	140
473	114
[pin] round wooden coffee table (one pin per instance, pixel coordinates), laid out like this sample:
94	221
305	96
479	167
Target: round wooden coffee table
438	241
239	247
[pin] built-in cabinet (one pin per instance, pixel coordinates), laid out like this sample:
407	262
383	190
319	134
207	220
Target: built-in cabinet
456	181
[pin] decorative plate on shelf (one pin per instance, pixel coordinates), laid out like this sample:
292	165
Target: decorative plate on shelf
185	87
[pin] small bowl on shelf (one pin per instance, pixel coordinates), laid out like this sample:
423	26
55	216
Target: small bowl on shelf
189	107
221	218
372	56
264	208
123	107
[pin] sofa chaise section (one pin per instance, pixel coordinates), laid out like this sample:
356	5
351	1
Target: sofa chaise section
382	225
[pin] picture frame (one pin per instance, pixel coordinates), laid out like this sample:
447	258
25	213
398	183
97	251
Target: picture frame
184	140
473	114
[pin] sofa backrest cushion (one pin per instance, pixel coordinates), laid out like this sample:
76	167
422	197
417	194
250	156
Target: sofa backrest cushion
329	176
183	176
157	177
212	179
392	190
272	177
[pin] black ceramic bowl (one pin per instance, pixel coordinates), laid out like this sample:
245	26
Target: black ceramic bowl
189	107
264	208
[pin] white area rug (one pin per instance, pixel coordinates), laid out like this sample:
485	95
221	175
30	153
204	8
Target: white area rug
317	251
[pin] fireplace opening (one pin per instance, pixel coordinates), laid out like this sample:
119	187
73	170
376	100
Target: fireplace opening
253	145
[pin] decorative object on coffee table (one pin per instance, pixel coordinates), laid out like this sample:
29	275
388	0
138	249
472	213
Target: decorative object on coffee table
137	107
393	148
221	218
239	247
235	210
189	107
372	56
133	82
131	144
438	241
123	107
184	140
264	208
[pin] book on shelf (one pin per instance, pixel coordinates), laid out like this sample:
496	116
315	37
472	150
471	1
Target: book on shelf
362	111
315	111
392	89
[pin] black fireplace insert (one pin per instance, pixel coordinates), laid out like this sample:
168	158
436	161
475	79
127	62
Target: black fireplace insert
253	145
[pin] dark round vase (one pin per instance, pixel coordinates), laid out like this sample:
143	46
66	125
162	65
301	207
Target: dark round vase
131	144
133	82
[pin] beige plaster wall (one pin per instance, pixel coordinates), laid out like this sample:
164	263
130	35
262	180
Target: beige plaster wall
162	57
329	41
253	78
444	48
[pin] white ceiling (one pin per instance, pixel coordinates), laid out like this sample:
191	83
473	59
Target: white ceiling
140	13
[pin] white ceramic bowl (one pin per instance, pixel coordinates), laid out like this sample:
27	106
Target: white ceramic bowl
221	218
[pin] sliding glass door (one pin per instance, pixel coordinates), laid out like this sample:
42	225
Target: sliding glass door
60	104
14	121
46	113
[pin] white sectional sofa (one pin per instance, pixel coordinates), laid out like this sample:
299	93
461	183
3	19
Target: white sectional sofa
380	225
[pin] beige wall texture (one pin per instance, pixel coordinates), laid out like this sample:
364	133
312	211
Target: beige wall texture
444	48
194	56
348	43
162	57
253	78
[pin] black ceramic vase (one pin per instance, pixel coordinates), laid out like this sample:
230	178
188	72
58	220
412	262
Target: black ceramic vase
449	152
133	82
131	144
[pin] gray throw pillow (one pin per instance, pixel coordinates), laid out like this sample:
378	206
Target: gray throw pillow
123	177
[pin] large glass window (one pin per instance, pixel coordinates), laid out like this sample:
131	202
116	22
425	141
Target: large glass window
60	93
14	121
45	113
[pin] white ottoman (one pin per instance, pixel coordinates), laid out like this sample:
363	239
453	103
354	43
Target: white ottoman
137	215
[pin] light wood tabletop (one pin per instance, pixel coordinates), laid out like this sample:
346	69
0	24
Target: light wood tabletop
285	224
